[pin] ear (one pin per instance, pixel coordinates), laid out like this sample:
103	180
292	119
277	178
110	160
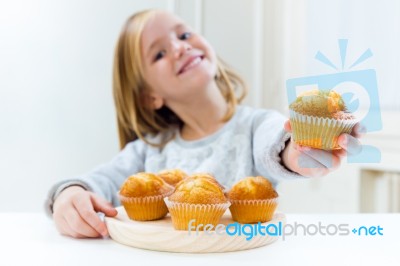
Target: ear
154	101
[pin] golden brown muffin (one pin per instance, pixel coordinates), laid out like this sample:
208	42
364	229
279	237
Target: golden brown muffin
209	177
144	184
321	103
172	176
198	190
196	198
318	117
252	188
253	199
142	196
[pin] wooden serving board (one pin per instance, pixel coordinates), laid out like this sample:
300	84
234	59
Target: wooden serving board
160	235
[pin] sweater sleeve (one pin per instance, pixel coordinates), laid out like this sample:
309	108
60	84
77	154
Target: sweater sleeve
269	140
106	179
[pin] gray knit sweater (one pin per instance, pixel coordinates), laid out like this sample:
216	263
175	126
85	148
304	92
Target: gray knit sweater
249	144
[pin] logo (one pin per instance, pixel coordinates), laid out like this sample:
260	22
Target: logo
251	231
358	89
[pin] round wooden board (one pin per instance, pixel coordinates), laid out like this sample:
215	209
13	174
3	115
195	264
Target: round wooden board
160	235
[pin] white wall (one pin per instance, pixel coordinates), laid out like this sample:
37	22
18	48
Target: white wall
57	116
366	24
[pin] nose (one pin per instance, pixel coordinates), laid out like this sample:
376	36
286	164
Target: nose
179	47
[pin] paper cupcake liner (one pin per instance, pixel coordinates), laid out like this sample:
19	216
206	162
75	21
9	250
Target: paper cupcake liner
144	208
318	132
183	213
253	211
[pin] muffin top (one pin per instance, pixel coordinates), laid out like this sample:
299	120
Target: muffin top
198	190
252	188
321	103
209	177
172	176
144	185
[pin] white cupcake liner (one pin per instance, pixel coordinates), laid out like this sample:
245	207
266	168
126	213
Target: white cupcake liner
145	208
253	211
183	213
319	132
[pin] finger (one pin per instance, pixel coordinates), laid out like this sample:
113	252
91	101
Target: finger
86	210
359	130
79	225
328	159
287	126
340	153
297	147
66	230
60	224
350	144
104	206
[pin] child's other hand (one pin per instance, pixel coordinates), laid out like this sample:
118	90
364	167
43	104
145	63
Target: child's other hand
74	213
314	162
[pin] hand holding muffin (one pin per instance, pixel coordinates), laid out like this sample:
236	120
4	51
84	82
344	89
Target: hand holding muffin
323	132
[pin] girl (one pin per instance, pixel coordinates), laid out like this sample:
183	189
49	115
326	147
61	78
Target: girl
177	108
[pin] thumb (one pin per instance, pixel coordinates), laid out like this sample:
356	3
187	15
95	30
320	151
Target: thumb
101	205
287	126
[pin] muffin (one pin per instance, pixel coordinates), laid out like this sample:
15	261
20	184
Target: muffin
318	117
142	196
197	199
253	200
172	176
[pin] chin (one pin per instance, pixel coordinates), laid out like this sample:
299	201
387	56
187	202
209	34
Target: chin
203	81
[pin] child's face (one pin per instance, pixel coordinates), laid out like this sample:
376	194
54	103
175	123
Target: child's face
178	63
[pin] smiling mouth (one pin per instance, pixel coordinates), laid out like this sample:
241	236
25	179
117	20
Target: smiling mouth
192	64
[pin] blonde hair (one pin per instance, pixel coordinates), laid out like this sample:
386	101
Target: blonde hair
134	118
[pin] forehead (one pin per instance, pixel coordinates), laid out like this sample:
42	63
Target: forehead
159	24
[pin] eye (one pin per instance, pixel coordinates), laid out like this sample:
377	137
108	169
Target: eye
159	55
185	36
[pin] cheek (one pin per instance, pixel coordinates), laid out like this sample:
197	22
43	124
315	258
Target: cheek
208	49
212	54
212	57
211	66
157	75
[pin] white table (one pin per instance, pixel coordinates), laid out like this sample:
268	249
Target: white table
31	239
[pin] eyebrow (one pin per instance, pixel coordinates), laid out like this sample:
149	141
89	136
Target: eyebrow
155	42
